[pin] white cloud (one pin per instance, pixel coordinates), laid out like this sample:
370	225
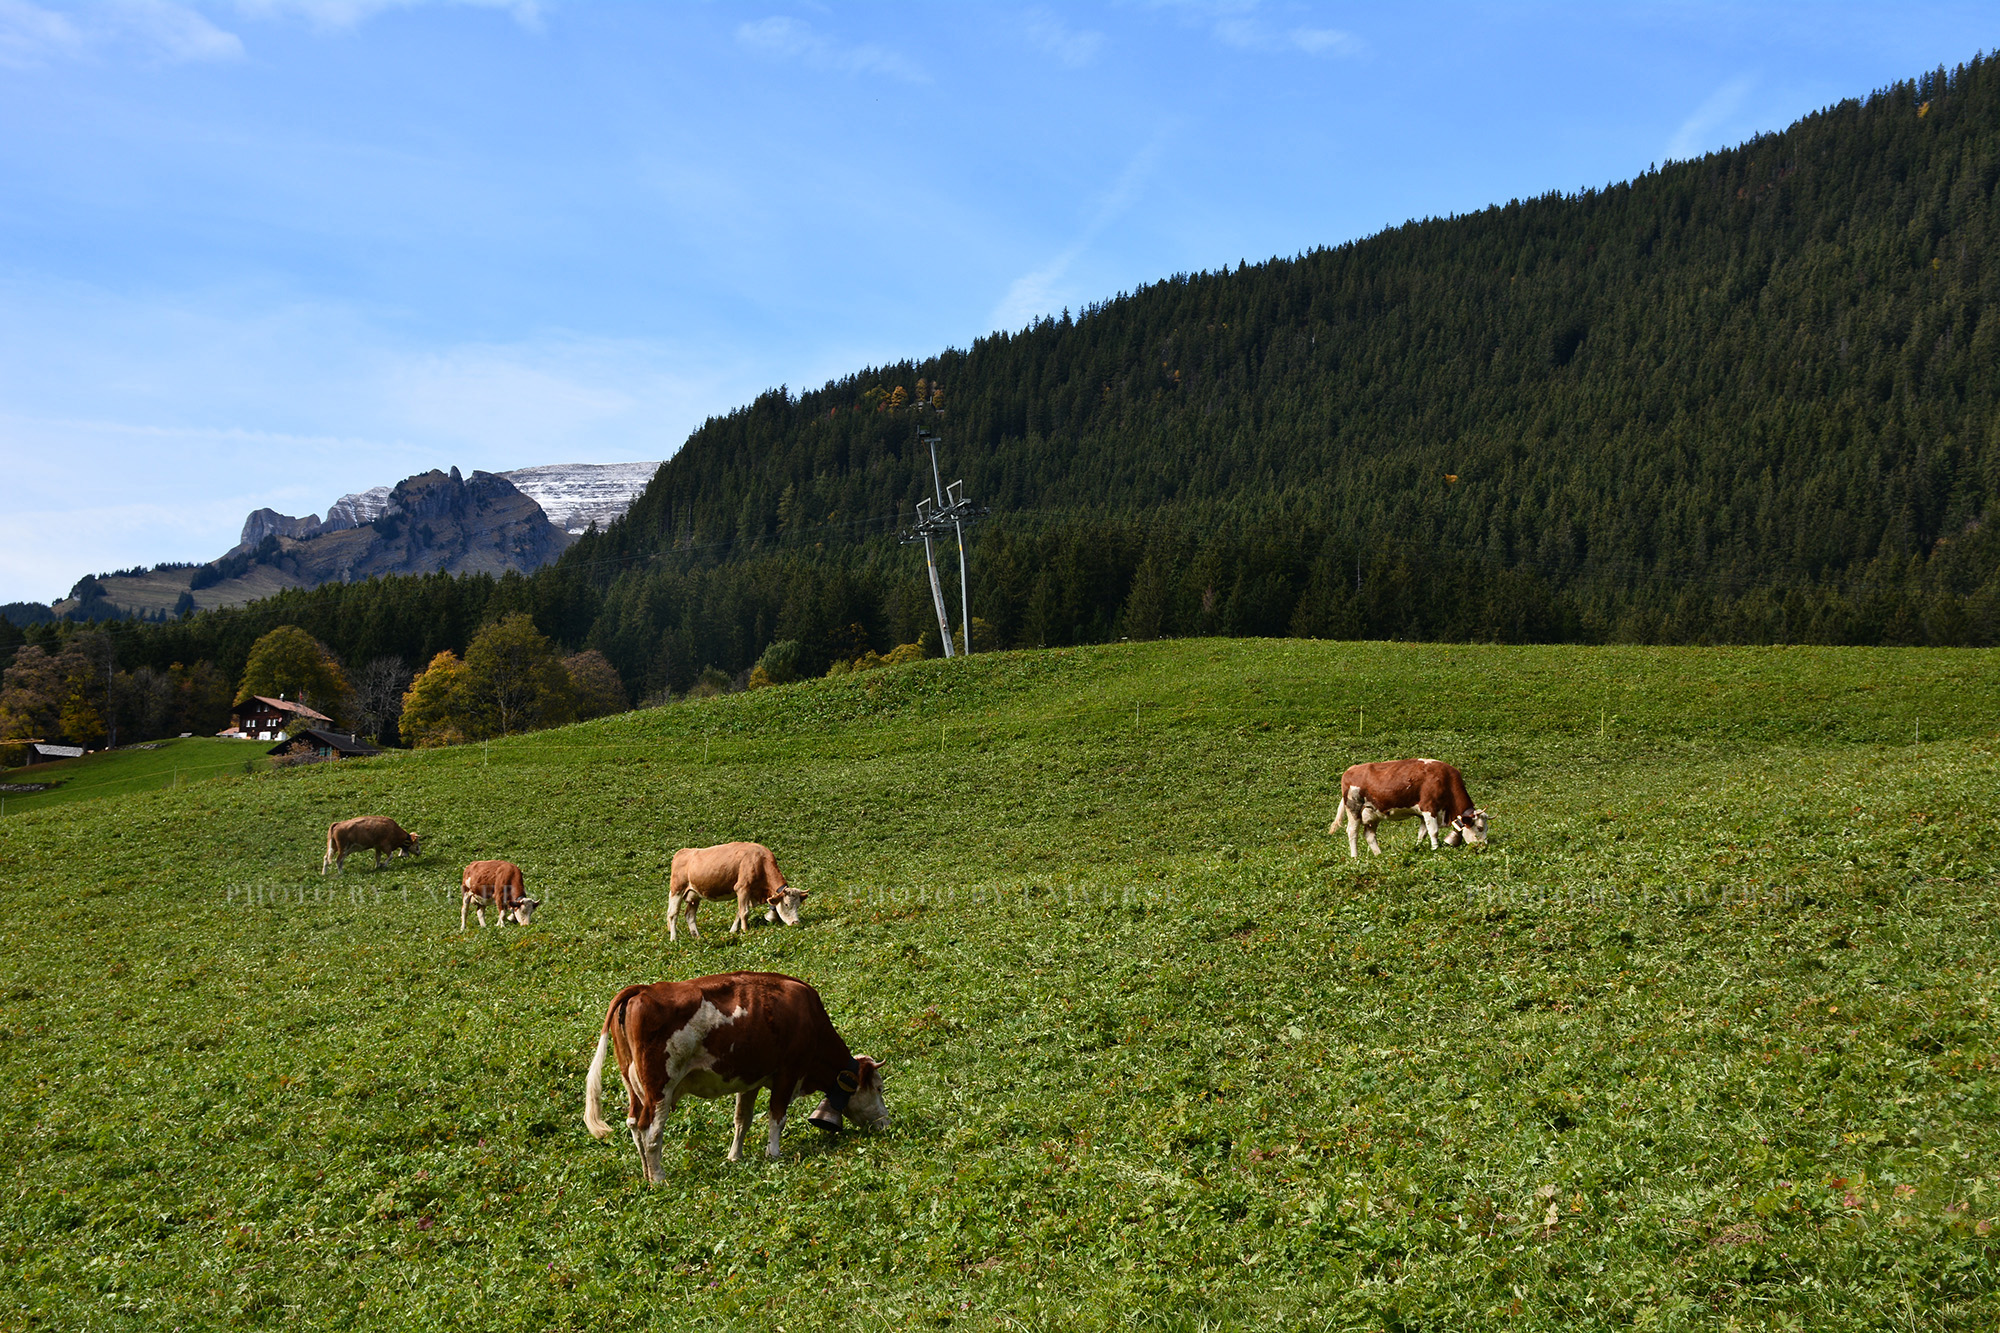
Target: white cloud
1325	41
1239	24
1251	34
30	35
1696	134
175	32
1052	37
1038	293
334	14
146	30
792	39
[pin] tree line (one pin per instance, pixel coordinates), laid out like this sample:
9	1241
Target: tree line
512	678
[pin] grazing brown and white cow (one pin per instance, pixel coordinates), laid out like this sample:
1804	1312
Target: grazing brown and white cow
745	871
723	1035
499	883
377	833
1399	788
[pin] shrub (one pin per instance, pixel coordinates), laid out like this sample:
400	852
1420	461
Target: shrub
778	666
713	681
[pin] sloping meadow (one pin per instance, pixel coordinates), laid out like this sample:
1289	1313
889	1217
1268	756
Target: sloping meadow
1705	1034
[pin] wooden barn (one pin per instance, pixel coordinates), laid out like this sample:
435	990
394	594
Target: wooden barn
318	743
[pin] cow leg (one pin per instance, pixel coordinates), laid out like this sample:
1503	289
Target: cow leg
464	903
1369	823
690	905
781	1098
647	1119
646	1136
742	921
673	914
1430	827
746	1106
1353	818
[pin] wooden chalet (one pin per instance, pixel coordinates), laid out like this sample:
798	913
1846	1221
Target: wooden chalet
263	719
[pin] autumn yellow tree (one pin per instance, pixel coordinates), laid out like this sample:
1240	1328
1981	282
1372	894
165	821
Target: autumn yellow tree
433	705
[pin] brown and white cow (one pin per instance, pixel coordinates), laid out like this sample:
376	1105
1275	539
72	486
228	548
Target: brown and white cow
377	833
1399	788
723	1035
745	871
499	883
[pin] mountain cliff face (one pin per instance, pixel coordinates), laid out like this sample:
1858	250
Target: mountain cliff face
264	523
433	522
351	511
489	523
430	523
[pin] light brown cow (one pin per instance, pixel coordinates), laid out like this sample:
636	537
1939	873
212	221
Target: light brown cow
745	871
723	1035
1399	788
377	833
499	883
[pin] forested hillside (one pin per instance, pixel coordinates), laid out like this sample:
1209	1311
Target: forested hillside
1744	398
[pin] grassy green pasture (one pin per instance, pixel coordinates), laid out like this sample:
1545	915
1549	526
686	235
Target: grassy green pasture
1704	1039
130	771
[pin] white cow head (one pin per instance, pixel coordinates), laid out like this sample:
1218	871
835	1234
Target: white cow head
786	905
863	1101
524	911
1469	828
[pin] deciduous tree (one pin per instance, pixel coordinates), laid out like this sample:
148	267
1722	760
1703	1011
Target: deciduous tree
596	685
433	707
514	679
291	664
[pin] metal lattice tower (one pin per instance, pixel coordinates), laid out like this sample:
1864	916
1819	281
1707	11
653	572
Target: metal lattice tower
950	512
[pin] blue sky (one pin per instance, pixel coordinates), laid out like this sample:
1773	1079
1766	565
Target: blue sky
265	252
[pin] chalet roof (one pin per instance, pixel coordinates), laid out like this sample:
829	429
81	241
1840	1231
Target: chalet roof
286	706
338	741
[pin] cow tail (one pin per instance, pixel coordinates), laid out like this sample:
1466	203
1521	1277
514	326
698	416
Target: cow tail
327	860
593	1091
593	1087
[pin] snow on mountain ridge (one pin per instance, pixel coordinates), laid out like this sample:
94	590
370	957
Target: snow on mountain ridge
351	511
575	495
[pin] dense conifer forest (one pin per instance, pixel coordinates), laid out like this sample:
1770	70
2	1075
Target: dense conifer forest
1747	398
